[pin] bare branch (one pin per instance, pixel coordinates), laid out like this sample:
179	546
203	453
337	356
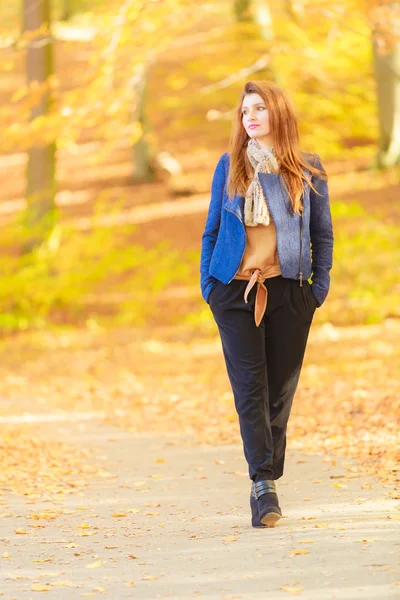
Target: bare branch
261	63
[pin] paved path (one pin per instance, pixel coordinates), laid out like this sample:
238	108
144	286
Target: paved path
186	531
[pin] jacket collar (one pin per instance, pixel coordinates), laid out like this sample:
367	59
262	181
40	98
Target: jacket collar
273	186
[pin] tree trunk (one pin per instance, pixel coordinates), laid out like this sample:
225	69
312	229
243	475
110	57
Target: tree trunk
387	77
142	169
242	10
69	8
41	159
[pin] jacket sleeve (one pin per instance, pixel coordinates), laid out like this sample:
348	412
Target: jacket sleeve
321	234
211	229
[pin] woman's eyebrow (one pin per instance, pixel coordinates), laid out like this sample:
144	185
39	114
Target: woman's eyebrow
257	104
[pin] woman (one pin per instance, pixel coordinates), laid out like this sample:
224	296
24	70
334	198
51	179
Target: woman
269	205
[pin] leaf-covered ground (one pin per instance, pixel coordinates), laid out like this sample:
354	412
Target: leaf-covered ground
174	522
174	380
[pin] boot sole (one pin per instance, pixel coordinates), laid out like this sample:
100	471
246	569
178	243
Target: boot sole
270	519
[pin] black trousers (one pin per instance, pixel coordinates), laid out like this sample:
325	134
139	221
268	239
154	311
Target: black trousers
264	363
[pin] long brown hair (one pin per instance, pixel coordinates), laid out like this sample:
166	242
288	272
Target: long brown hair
285	135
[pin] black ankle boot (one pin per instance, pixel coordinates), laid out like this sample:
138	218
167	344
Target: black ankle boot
255	517
269	511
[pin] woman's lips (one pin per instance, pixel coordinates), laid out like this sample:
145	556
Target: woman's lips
252	126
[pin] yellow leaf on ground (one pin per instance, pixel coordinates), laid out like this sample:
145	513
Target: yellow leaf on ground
39	587
21	531
105	474
119	514
150	577
42	560
95	565
295	552
291	589
5	555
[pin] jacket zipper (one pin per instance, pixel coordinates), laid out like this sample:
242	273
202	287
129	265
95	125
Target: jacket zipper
231	211
301	240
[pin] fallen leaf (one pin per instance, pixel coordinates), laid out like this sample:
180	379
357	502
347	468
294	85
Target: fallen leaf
21	531
295	552
291	589
149	577
95	565
5	555
42	560
105	474
39	587
119	514
45	515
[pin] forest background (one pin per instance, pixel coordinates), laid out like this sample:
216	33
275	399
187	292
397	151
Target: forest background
113	115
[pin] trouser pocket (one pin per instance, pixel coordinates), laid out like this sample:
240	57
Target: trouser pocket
308	298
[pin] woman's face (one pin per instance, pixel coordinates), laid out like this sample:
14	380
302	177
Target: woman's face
255	117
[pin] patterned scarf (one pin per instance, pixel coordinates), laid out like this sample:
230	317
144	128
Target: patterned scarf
264	161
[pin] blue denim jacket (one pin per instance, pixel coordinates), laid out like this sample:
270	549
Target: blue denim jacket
304	243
